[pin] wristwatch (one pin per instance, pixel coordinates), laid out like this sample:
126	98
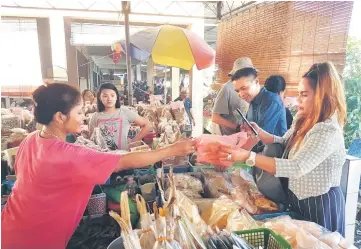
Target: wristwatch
251	161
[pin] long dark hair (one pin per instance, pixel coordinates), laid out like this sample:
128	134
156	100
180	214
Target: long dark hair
109	86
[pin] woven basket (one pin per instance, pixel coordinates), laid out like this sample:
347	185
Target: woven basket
97	204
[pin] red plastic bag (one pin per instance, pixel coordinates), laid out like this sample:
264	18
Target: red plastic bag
209	145
235	140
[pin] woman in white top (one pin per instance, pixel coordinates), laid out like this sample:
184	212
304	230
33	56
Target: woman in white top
315	151
114	120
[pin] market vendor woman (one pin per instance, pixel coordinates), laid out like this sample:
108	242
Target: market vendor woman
114	121
55	179
315	151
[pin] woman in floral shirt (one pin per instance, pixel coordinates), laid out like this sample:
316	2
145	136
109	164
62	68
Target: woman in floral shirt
114	121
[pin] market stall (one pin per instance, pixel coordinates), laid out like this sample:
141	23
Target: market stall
207	209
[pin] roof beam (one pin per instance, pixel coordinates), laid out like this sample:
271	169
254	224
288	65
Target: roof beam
97	14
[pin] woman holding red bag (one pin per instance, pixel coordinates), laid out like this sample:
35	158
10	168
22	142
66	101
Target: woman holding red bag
315	150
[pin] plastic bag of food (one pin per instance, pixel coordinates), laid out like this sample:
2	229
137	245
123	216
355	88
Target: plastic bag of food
160	230
335	241
236	140
216	184
183	181
306	241
190	210
240	196
207	153
311	227
129	236
147	237
285	227
217	215
263	204
240	220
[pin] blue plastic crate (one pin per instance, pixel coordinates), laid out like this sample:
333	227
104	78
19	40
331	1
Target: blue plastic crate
293	215
178	169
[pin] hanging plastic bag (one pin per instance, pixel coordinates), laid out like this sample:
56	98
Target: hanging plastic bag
190	210
160	229
129	236
147	237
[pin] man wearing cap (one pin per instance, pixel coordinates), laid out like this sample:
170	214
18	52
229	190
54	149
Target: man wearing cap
226	103
265	108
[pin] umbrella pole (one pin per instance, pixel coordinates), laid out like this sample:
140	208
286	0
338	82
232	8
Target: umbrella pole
126	10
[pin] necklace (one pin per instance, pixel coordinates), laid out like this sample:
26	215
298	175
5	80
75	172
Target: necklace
51	134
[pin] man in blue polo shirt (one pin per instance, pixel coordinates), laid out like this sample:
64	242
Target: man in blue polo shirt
266	109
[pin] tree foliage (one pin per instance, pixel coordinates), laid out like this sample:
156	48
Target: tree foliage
352	79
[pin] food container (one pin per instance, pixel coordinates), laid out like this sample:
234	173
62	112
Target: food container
138	146
264	238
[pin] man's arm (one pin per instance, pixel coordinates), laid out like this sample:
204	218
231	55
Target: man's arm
221	106
217	118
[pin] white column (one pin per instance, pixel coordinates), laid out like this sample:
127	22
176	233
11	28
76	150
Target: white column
138	72
58	49
175	83
150	66
197	85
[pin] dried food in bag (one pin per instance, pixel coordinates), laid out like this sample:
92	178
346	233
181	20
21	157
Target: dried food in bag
216	185
183	181
129	236
264	204
240	196
190	210
335	241
147	237
160	230
240	220
217	215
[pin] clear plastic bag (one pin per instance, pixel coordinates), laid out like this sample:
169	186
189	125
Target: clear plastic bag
129	236
160	228
190	210
147	237
217	215
240	220
241	198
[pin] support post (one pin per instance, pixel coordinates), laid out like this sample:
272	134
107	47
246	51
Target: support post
126	10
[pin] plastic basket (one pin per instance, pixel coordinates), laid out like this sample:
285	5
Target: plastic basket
265	238
293	215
